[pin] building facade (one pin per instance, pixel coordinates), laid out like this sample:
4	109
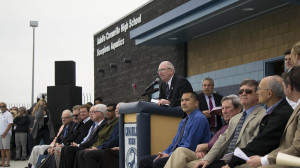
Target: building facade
227	40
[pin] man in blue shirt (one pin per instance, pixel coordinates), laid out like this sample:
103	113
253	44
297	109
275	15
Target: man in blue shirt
192	130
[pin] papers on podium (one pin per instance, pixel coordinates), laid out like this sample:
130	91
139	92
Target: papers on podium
287	160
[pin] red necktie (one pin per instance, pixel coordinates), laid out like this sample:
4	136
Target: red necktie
212	115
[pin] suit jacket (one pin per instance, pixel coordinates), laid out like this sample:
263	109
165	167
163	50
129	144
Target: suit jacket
269	135
179	85
248	131
289	143
81	132
203	105
94	136
60	139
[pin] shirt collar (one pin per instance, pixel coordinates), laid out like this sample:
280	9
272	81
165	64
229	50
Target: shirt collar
86	120
270	109
250	110
170	81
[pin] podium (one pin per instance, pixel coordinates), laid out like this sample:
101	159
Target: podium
145	129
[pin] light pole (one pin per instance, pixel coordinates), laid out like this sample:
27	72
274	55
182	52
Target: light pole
33	24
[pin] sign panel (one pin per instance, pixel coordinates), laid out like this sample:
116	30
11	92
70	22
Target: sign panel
130	145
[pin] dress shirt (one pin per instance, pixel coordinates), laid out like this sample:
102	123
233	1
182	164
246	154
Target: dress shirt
90	131
86	120
212	100
270	109
216	136
169	82
196	131
249	111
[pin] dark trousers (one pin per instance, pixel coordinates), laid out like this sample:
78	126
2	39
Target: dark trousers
102	158
43	133
79	161
216	164
69	155
147	162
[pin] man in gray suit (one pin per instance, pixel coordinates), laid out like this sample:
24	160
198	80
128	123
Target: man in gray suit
248	128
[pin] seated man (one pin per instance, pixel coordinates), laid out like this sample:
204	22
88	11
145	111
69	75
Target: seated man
98	137
192	130
230	107
289	143
270	92
64	131
241	128
92	156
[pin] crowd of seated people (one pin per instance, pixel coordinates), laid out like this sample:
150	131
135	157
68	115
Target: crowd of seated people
261	121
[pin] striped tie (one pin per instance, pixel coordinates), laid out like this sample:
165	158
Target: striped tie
236	133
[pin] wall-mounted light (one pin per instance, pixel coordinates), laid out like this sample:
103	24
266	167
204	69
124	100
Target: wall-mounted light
127	60
113	65
101	70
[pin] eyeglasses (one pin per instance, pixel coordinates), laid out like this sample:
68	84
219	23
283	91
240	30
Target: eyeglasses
163	69
2	106
258	88
110	110
95	111
247	91
65	117
76	115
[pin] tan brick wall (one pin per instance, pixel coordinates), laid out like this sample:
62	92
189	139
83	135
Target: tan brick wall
260	38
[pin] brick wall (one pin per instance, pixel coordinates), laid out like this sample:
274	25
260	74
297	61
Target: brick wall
260	38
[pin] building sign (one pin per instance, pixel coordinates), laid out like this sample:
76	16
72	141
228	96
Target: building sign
113	45
130	145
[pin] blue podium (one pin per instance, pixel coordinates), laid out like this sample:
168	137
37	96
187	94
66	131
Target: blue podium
145	128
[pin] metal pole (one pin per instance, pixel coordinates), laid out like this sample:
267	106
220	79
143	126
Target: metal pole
32	89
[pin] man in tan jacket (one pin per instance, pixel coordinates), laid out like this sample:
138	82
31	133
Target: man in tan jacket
289	143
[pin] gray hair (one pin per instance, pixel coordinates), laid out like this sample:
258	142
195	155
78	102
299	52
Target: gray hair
23	108
235	100
276	86
209	79
68	112
102	108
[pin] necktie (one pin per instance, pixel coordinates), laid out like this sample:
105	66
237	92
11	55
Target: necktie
212	115
237	132
92	130
167	91
65	131
181	134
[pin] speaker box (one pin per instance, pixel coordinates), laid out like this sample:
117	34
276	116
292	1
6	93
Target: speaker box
65	73
61	98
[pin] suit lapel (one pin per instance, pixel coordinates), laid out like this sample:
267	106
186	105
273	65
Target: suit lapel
296	111
249	118
172	84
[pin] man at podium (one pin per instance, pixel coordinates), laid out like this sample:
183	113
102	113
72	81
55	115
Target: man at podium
172	86
192	130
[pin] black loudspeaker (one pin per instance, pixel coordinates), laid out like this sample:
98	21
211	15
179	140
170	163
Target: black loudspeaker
65	73
61	98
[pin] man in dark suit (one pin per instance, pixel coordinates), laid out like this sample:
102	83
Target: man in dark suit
207	101
172	86
270	92
99	117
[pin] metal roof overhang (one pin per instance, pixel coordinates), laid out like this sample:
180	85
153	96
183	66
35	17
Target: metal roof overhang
197	18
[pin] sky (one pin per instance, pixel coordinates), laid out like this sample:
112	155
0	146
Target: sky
65	32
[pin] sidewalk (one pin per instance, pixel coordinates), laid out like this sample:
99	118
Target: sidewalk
18	164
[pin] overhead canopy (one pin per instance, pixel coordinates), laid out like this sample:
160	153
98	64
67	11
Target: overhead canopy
197	18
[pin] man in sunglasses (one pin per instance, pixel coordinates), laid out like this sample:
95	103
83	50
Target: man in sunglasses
289	143
270	92
241	129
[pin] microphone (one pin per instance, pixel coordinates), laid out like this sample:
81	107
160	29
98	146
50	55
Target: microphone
152	84
149	92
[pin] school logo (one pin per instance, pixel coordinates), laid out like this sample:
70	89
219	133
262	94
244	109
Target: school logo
131	158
